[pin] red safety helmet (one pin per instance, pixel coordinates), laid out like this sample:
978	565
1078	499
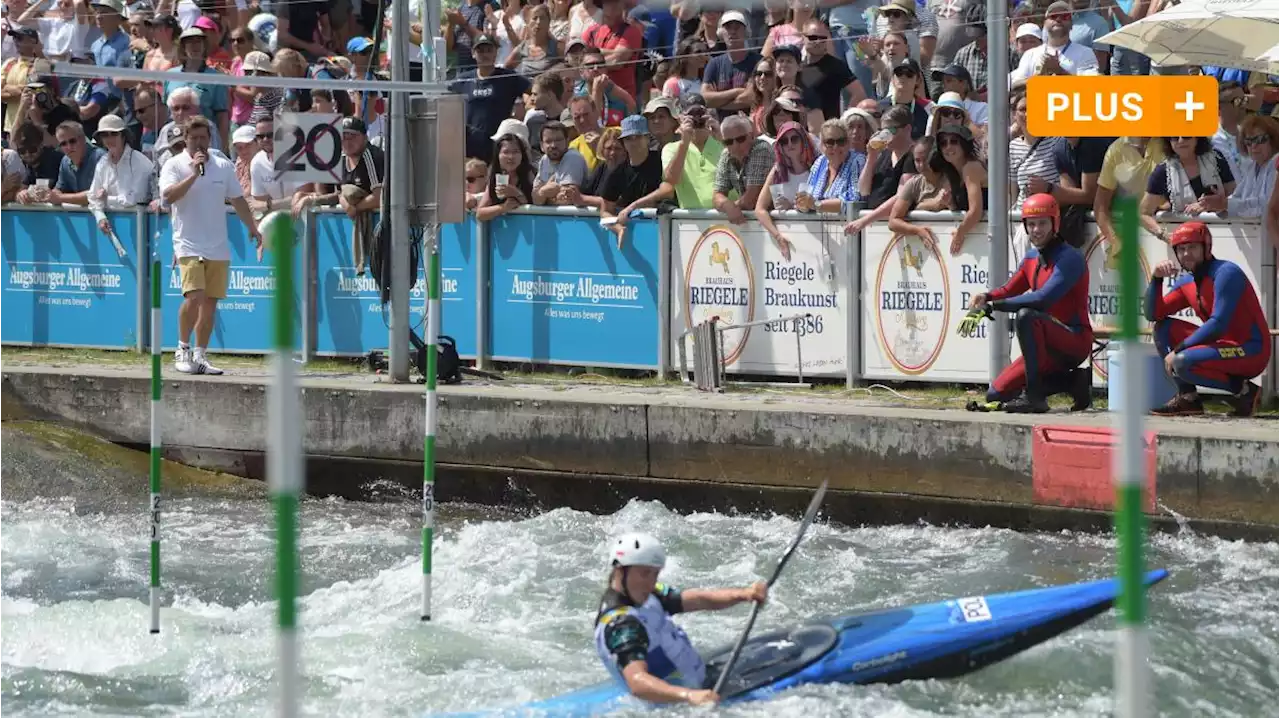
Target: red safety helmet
1192	232
1042	205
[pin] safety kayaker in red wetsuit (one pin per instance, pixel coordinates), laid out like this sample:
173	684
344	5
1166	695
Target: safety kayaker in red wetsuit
1049	294
1232	346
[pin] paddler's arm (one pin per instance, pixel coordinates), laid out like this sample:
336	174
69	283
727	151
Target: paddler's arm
646	686
715	599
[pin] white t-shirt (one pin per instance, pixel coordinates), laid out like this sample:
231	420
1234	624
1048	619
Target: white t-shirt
505	40
1074	58
200	217
63	38
264	181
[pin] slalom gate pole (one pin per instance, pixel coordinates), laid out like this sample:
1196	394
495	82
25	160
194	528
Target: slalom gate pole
1132	675
156	408
284	451
432	238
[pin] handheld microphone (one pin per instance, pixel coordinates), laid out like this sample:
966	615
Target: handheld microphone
200	169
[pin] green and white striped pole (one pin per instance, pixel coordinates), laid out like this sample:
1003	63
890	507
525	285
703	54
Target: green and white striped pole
429	439
1131	670
156	408
284	450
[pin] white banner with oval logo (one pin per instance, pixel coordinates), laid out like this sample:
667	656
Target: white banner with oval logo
739	275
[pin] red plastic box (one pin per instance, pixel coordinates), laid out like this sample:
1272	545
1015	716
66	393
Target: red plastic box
1073	466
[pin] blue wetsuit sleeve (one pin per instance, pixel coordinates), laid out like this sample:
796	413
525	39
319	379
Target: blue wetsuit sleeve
1067	270
1228	284
626	639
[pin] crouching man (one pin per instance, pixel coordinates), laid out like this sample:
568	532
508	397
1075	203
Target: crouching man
1232	346
1049	294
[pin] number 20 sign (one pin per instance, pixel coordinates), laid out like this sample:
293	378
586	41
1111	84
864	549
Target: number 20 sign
308	147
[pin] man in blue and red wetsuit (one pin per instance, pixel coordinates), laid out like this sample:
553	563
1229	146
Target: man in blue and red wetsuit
1049	293
1230	347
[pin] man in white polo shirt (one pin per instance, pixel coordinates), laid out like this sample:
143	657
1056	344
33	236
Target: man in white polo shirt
197	184
1058	55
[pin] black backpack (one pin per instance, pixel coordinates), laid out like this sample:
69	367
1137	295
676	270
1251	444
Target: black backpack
448	363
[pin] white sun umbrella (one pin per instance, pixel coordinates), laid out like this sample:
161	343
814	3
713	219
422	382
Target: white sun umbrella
1223	33
1272	58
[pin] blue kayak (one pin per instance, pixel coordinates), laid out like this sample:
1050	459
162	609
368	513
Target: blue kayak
932	640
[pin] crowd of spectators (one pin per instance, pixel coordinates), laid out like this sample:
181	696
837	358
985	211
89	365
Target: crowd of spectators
793	104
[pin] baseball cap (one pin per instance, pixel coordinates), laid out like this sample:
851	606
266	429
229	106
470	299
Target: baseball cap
952	70
19	31
168	21
661	102
733	16
204	22
189	33
511	126
1058	8
634	125
357	45
907	63
1028	29
791	50
484	40
353	124
115	6
244	135
575	41
907	6
170	137
692	99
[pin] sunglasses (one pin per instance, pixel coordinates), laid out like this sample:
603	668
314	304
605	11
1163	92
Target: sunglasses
948	112
904	72
476	178
264	135
792	139
238	40
948	141
835	141
1257	139
893	14
764	73
69	143
817	38
731	141
138	109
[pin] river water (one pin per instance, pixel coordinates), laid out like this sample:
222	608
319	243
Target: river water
515	598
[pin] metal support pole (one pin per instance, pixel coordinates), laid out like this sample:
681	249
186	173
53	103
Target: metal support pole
401	273
998	156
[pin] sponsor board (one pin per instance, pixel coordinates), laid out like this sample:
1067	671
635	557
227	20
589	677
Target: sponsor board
738	275
351	319
64	284
914	296
562	292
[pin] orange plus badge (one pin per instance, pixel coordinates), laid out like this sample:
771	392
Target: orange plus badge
1122	106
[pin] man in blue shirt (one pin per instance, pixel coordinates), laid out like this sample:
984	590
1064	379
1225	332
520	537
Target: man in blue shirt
79	161
112	48
215	100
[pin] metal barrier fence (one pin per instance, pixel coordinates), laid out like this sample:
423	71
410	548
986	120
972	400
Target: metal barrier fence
551	286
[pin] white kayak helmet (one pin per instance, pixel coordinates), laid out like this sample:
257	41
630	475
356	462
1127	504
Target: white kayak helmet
637	549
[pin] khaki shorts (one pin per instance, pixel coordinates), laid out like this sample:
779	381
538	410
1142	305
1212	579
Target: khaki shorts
207	275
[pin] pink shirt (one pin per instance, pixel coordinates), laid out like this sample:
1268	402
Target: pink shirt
241	108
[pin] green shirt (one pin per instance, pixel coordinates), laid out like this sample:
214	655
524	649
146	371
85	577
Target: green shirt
696	187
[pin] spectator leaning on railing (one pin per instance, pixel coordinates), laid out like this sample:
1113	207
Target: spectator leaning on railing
689	165
1193	178
612	156
638	183
561	171
41	163
1257	178
363	170
196	185
512	172
742	169
956	158
123	176
79	162
244	146
833	179
13	173
1126	167
925	191
793	154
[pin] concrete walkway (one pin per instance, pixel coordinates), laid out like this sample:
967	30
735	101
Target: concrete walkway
1209	468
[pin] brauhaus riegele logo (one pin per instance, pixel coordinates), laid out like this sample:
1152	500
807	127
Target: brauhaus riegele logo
913	304
720	282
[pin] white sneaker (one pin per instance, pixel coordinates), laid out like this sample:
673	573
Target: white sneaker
182	360
200	365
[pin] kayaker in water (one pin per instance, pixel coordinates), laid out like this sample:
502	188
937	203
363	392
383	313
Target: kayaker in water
636	639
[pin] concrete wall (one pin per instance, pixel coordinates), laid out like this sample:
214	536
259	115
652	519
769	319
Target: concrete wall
1221	473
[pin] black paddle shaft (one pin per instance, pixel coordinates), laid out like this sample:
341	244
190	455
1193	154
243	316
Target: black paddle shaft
809	515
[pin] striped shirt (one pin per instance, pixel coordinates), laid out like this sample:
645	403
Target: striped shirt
1037	159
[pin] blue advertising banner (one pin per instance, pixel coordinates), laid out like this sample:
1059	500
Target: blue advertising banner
243	322
350	318
561	292
65	284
